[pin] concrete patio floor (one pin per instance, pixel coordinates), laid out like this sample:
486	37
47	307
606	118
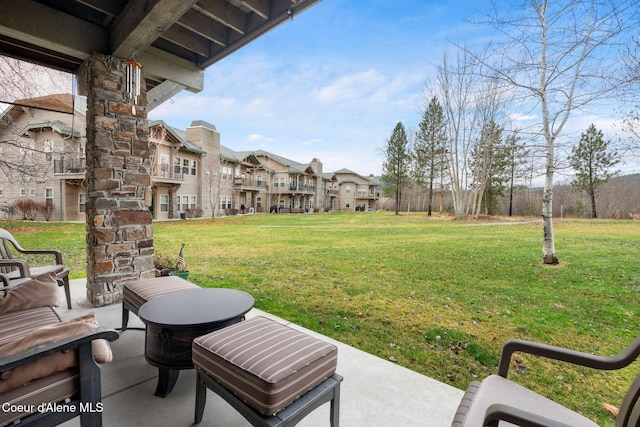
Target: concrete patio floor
375	392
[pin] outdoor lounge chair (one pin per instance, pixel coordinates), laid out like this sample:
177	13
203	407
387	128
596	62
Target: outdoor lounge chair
18	270
498	400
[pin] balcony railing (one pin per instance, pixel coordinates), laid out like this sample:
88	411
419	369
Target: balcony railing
302	187
166	172
69	166
249	182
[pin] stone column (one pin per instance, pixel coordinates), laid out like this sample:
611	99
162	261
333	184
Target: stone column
119	232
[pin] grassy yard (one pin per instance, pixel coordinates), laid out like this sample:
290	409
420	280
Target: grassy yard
434	295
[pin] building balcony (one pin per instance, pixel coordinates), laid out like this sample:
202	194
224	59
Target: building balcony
168	175
128	384
249	184
70	166
294	189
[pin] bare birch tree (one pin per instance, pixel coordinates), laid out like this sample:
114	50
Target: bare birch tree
560	57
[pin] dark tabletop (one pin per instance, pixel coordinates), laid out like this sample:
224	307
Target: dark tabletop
196	306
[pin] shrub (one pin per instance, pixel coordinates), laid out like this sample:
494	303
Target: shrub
26	208
46	210
194	213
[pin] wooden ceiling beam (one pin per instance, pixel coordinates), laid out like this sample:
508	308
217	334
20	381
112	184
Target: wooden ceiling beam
199	24
164	66
42	26
259	7
225	13
141	23
182	37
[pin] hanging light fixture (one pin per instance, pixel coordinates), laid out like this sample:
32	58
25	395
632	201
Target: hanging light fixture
134	77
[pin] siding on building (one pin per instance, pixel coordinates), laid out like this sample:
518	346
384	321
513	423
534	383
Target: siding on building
192	173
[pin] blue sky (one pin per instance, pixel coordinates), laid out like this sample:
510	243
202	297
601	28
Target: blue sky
333	83
330	84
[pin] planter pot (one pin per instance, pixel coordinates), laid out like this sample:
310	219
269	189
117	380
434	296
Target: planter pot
182	274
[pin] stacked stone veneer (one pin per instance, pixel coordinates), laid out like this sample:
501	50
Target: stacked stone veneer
119	233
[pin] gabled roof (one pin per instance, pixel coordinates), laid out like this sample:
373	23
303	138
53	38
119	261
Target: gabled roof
294	167
64	103
55	126
244	157
350	172
180	136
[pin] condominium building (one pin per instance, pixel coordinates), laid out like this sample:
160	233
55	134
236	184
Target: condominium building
192	174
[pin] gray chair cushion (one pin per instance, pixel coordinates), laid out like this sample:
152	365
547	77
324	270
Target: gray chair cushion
497	389
266	364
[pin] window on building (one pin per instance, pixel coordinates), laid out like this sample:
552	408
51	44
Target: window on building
164	203
32	192
185	203
185	166
176	166
82	202
1	192
259	180
48	196
281	182
193	202
48	150
194	167
259	202
348	205
348	189
23	192
178	198
164	163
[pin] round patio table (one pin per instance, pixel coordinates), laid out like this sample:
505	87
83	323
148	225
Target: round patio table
173	321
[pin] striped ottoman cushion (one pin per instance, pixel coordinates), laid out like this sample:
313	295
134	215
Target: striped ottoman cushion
266	364
138	292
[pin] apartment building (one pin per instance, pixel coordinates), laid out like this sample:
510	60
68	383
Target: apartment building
42	155
192	174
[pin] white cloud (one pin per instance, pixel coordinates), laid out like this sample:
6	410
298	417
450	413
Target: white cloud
312	142
516	117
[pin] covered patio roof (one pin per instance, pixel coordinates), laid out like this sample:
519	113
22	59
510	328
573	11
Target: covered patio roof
174	40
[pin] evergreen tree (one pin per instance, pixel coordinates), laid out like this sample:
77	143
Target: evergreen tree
489	165
592	160
516	157
395	168
429	147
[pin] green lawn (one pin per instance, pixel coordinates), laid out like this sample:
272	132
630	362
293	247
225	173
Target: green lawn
390	285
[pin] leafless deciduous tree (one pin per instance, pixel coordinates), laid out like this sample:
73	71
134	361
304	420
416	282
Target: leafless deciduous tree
20	81
559	57
469	101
